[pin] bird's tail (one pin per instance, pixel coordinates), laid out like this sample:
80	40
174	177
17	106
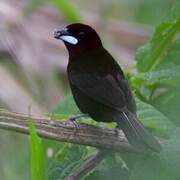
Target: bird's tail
135	132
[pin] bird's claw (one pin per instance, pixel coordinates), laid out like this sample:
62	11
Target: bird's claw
73	119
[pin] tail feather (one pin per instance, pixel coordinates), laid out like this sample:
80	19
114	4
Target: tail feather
135	132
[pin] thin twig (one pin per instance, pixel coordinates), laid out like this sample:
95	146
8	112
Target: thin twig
88	165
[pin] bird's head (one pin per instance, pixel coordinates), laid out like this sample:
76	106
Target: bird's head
78	37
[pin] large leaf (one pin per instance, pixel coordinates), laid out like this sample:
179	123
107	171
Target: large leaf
167	70
164	166
153	119
172	56
168	102
160	76
150	54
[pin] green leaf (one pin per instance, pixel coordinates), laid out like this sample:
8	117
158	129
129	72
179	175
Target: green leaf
153	119
68	10
147	168
168	102
160	76
172	56
149	55
37	154
171	156
162	86
163	166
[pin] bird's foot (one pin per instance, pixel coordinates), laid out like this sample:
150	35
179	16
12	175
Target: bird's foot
73	119
73	122
116	130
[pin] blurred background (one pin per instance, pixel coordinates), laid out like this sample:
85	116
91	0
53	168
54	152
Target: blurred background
33	64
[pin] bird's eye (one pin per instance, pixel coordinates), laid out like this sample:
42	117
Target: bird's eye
81	34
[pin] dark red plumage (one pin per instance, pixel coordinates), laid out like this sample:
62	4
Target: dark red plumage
98	84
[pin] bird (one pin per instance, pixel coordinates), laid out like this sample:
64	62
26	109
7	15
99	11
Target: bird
99	86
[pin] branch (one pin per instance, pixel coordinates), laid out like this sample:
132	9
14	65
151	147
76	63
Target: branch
88	165
66	131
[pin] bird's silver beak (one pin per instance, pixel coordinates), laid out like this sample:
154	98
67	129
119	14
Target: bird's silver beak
65	36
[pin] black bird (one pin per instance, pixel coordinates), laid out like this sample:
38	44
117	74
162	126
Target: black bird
99	86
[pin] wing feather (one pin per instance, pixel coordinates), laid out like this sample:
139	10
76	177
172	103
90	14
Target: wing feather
103	89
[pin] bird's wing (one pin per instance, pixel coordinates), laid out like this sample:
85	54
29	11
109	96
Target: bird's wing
101	88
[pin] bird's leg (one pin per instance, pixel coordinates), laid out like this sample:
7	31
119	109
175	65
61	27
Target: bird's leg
73	118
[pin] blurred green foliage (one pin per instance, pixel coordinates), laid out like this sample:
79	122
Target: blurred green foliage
68	10
15	159
65	8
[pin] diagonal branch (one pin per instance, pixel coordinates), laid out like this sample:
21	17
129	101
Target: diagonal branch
66	131
88	165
